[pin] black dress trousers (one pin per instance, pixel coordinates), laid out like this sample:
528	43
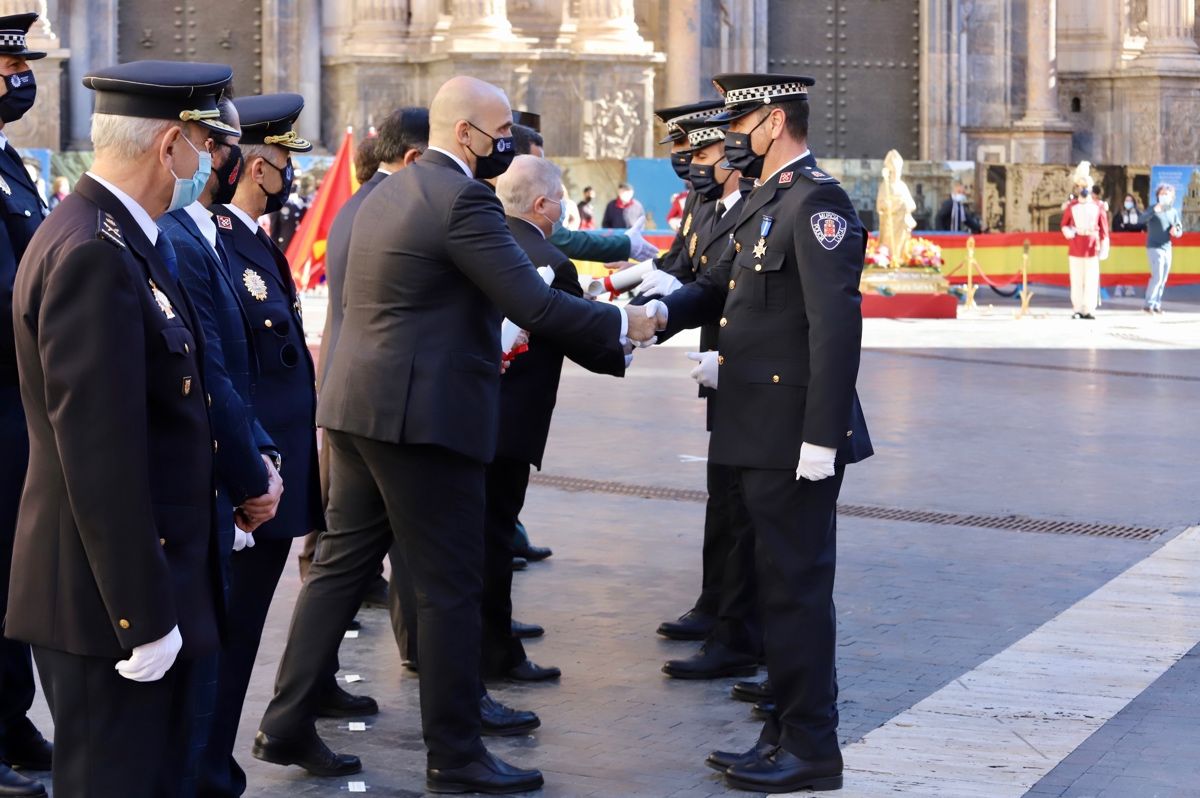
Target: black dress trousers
16	668
507	483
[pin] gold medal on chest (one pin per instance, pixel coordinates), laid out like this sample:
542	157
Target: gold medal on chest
687	225
692	245
161	300
255	284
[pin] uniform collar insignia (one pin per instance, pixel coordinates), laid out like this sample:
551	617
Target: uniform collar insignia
223	222
109	230
786	178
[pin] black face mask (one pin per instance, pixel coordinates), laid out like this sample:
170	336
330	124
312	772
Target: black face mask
680	162
227	176
704	182
740	154
277	200
1084	192
497	161
22	91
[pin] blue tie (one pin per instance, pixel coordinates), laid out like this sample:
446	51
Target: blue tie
166	251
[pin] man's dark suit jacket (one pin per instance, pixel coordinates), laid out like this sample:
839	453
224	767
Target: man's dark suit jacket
116	541
432	269
230	368
945	216
337	253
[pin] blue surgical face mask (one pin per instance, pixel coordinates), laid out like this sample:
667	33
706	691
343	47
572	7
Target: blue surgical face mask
188	190
1128	205
561	221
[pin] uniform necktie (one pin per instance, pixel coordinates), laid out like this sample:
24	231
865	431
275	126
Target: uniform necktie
166	251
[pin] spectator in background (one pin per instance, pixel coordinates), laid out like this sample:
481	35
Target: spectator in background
1163	223
572	220
1128	219
623	212
955	216
675	215
366	160
60	188
587	212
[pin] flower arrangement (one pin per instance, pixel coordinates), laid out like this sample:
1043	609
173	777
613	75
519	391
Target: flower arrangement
878	256
923	254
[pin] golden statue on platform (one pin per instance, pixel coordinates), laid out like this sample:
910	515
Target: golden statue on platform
894	205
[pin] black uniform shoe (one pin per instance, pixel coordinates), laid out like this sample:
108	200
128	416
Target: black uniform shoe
309	752
355	625
533	553
411	665
25	747
763	710
530	672
520	563
713	661
692	625
334	702
753	692
501	721
488	774
526	630
723	760
13	783
377	594
782	771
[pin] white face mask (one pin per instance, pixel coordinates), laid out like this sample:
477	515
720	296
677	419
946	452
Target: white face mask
1128	205
625	196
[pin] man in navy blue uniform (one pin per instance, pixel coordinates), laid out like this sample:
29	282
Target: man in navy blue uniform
21	744
285	404
119	587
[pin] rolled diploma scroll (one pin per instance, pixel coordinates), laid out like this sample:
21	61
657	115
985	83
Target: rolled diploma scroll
510	331
620	281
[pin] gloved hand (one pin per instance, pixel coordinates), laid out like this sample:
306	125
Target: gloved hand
706	372
658	311
1068	233
816	462
242	539
658	283
639	248
151	661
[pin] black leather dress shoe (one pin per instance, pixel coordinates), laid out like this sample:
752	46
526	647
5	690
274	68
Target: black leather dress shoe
309	752
377	594
753	692
489	775
782	771
723	760
713	661
501	721
25	747
533	553
335	702
692	625
520	563
529	672
355	625
525	631
13	783
763	710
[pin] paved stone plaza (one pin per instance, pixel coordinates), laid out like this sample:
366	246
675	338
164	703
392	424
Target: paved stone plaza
974	660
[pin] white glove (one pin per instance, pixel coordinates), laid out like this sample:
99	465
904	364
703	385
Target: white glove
654	308
150	662
639	248
816	462
242	540
1068	233
658	283
706	372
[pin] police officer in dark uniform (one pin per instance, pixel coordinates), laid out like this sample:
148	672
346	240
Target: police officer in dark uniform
788	418
285	404
21	744
119	588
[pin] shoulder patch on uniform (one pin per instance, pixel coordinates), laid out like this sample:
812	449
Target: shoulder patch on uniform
817	176
829	228
108	230
223	222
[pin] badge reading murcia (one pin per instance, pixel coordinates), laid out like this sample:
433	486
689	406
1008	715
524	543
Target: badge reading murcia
829	228
687	225
255	284
160	298
4	187
692	245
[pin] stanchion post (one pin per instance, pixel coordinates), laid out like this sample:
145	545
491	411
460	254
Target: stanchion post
971	287
1026	296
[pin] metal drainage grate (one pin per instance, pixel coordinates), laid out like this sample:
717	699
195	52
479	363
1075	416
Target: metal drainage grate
1015	523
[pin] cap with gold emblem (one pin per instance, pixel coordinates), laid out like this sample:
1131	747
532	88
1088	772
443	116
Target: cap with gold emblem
13	31
186	92
672	116
270	119
746	91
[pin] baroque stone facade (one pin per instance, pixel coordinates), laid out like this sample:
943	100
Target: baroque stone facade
993	81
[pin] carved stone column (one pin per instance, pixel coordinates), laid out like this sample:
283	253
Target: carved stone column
1170	38
1042	135
609	26
479	25
683	46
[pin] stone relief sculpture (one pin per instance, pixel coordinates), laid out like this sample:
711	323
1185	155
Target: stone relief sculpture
611	124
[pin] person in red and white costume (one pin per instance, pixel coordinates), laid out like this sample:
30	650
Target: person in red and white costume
1085	226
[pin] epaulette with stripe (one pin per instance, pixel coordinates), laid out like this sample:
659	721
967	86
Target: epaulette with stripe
108	230
817	176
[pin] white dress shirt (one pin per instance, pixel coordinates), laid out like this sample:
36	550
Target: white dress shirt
204	221
252	224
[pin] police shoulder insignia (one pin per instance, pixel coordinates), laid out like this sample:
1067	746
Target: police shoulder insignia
108	230
255	284
817	176
829	228
223	222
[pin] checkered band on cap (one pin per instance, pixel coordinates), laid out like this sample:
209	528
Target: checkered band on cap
12	38
706	135
764	94
673	124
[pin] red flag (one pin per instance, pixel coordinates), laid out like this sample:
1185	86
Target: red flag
306	252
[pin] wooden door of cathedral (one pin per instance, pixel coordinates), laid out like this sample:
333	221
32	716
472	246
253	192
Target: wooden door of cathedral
219	31
864	55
